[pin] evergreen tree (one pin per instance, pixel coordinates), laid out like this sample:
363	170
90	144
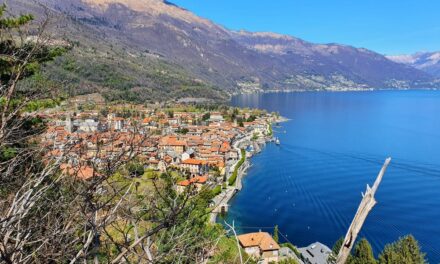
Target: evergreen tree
363	254
19	59
275	234
337	246
405	250
335	250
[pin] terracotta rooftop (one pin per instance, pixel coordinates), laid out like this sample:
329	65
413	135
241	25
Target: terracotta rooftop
194	162
184	183
171	141
259	239
83	172
197	179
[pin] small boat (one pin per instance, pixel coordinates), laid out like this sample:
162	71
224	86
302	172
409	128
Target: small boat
250	148
277	141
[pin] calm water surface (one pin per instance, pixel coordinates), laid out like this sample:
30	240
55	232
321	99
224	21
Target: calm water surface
333	146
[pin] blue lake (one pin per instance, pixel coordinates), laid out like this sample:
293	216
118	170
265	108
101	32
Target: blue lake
334	144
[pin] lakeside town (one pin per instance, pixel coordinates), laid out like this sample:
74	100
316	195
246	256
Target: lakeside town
210	148
205	145
126	134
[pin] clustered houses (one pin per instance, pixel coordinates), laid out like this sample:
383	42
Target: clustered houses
183	140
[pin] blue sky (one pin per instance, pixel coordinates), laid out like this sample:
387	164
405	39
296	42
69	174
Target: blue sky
386	26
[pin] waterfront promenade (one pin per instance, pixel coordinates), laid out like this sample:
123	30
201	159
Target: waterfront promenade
220	203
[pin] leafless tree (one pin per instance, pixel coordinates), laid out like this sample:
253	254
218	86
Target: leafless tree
50	214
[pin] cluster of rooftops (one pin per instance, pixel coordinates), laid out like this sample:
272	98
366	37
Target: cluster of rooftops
188	141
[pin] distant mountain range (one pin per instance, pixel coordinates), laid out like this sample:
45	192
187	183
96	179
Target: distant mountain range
425	61
143	42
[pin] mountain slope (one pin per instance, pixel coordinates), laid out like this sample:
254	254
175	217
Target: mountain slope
103	61
158	31
362	67
425	61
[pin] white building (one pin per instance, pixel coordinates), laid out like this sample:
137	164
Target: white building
89	125
216	117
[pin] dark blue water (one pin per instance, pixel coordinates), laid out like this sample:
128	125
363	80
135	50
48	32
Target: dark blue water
333	146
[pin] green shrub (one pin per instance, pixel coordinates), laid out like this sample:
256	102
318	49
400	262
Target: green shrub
234	175
217	190
135	169
270	130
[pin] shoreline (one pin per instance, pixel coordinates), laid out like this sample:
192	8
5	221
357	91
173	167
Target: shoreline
227	194
335	90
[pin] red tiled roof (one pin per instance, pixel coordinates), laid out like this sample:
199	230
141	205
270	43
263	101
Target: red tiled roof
168	159
194	162
201	179
197	179
171	141
225	147
83	172
261	239
184	183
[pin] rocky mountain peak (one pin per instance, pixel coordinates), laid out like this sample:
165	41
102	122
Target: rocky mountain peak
426	61
151	7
